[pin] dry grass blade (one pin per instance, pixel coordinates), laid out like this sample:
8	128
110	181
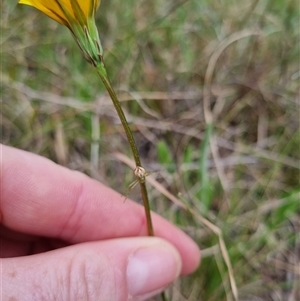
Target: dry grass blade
150	179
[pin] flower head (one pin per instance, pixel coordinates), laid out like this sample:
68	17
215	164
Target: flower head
79	17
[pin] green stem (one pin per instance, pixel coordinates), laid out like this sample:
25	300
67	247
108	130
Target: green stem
140	176
163	296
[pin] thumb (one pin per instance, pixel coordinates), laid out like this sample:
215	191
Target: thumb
113	270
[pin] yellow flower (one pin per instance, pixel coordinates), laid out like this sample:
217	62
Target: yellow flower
56	9
79	17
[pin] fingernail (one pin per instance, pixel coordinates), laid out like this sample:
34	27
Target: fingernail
152	268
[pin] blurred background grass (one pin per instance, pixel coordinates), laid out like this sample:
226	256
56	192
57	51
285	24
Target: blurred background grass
211	89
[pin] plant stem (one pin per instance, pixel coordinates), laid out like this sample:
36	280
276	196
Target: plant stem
163	296
140	172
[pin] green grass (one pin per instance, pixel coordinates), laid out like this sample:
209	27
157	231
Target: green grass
160	51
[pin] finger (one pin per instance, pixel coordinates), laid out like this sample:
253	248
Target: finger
119	270
42	198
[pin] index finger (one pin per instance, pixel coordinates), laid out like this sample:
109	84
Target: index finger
42	198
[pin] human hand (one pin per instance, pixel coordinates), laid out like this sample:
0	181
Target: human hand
66	237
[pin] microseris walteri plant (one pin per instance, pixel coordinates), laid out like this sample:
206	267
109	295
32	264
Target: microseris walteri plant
79	17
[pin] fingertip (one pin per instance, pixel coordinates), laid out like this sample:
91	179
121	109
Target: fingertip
153	267
187	247
194	260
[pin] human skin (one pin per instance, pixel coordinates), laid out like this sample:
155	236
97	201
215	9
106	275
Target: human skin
65	236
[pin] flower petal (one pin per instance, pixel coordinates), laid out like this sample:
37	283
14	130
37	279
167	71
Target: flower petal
52	8
49	8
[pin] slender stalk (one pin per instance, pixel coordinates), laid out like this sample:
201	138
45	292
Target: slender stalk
163	296
139	172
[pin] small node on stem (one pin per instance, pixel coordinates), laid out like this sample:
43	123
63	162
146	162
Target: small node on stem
140	173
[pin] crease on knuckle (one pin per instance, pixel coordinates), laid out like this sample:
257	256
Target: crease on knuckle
75	216
90	278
